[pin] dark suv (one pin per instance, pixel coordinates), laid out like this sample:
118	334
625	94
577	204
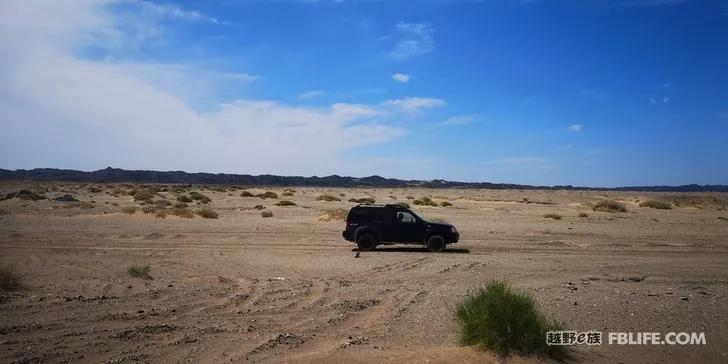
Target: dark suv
371	225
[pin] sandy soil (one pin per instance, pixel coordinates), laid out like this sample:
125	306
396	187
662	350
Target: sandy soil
243	288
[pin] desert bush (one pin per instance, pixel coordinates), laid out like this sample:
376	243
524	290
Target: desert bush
129	209
722	218
445	203
267	194
182	212
364	200
143	195
504	320
199	197
401	203
609	206
162	203
161	213
410	197
331	215
285	203
180	205
656	204
207	213
246	194
553	216
94	189
184	198
259	207
149	209
139	271
425	201
266	213
327	198
10	278
287	194
583	214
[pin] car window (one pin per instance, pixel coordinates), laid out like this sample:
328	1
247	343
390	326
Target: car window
405	218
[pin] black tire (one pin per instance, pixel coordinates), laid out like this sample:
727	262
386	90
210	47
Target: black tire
366	242
435	243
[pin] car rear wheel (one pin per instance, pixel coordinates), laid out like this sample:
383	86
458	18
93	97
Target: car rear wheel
435	243
366	242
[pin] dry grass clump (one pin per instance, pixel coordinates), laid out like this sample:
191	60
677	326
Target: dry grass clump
199	197
183	212
583	214
207	213
285	203
445	203
246	194
266	213
149	209
504	320
327	197
80	205
410	197
364	200
161	203
654	204
180	205
129	210
143	195
401	203
267	194
425	201
160	213
94	189
335	214
287	194
553	216
609	206
10	278
139	271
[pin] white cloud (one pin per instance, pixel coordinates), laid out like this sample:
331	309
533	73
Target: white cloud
63	111
311	94
401	77
168	11
414	39
577	128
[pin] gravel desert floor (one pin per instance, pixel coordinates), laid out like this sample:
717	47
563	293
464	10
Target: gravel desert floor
287	288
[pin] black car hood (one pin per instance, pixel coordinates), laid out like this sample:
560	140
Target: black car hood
437	225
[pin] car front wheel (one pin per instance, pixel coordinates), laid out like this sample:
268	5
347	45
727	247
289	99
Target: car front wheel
435	243
366	242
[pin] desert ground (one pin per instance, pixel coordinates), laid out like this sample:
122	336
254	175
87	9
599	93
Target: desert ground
287	288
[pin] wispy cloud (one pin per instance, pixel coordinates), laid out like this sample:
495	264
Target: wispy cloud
168	11
414	104
311	94
414	39
460	120
577	128
401	77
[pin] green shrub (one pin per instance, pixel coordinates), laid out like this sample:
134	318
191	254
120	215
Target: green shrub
656	204
506	321
609	206
267	194
327	198
10	278
553	216
143	195
129	209
266	213
199	197
139	271
364	200
207	213
425	201
285	203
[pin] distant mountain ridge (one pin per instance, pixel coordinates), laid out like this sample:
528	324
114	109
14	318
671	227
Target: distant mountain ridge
142	176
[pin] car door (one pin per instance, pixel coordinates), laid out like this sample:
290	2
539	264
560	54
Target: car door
408	227
383	219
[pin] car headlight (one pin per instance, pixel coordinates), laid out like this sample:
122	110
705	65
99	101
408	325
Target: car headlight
453	230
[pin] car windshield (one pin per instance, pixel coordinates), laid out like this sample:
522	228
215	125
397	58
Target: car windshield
418	216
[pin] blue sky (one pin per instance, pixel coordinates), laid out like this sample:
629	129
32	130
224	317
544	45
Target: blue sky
595	93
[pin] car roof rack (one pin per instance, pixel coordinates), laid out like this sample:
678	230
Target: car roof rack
389	205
